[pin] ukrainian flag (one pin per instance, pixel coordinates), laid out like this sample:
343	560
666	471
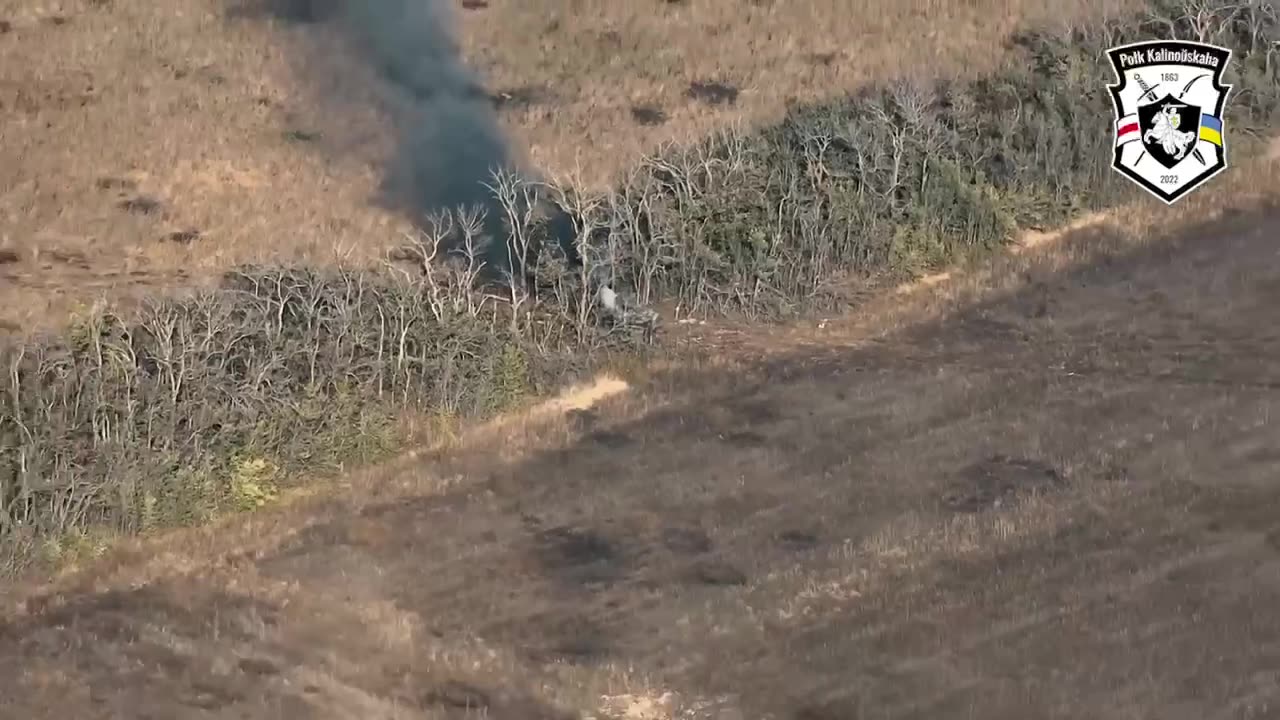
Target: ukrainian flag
1211	129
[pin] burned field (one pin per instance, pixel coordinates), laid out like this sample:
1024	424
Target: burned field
1040	484
995	513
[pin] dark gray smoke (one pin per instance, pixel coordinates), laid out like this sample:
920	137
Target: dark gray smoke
451	140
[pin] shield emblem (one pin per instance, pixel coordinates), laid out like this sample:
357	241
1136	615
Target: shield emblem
1169	99
1170	129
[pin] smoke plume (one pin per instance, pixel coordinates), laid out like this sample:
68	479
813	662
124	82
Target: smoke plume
451	141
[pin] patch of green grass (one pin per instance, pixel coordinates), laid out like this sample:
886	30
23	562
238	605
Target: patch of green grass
253	482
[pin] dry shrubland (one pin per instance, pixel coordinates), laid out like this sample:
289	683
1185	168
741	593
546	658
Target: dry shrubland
210	403
160	146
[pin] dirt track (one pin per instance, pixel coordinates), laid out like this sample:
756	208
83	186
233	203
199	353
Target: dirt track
1059	503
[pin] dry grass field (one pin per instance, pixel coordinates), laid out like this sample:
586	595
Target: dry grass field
1043	486
1042	490
146	148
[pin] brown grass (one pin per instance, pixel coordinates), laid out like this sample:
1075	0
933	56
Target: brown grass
603	58
245	140
811	533
811	536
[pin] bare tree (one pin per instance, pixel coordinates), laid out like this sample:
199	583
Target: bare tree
518	199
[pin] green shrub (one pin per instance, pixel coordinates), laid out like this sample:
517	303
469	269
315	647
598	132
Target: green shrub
253	482
509	373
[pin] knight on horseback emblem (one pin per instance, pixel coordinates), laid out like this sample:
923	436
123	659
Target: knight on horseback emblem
1169	103
1165	131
